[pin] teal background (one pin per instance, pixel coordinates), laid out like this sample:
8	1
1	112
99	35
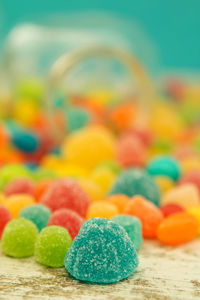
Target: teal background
173	25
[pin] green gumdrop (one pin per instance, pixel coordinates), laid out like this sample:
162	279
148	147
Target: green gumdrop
43	173
18	239
52	245
77	118
29	88
12	171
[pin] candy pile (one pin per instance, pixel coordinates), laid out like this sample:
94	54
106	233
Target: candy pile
88	202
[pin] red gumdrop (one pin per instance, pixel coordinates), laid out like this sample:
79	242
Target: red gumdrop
19	186
68	219
192	177
5	217
144	136
66	193
131	151
170	209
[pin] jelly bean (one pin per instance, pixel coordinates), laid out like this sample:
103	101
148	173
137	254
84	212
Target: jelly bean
185	196
66	193
131	151
120	201
101	210
109	256
15	203
164	166
177	229
149	215
18	239
52	245
68	219
5	217
170	209
133	227
19	186
89	146
136	182
38	214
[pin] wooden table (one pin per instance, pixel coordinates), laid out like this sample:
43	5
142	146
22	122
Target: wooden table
164	273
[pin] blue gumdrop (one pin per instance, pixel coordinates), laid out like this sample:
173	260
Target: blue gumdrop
25	141
133	227
39	214
102	252
164	165
136	182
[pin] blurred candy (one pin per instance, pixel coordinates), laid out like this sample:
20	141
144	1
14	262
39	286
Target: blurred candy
38	214
25	141
164	166
68	219
89	146
41	187
66	193
136	182
12	171
52	245
5	217
77	118
192	177
133	227
177	229
185	196
149	215
170	209
195	211
15	203
164	183
131	151
18	239
91	188
101	210
104	177
19	186
120	201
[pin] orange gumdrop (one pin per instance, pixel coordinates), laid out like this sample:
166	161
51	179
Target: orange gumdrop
40	188
177	229
102	210
149	215
17	202
119	200
123	115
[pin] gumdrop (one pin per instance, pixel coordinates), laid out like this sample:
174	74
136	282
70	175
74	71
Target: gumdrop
5	217
52	245
15	203
102	210
68	219
18	239
19	186
120	201
102	252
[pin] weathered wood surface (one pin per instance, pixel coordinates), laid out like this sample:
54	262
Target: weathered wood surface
164	273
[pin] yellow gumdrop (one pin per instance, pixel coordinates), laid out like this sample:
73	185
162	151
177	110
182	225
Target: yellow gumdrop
89	146
195	211
102	209
165	183
69	170
165	122
190	164
2	198
104	177
25	111
16	203
92	189
51	162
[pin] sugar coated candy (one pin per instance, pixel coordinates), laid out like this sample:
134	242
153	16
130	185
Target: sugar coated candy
149	215
177	229
38	214
136	182
133	227
184	195
18	239
68	219
5	217
102	210
165	166
66	193
52	245
119	200
15	203
102	252
19	186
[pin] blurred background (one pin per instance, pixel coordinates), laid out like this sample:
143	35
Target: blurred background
172	26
